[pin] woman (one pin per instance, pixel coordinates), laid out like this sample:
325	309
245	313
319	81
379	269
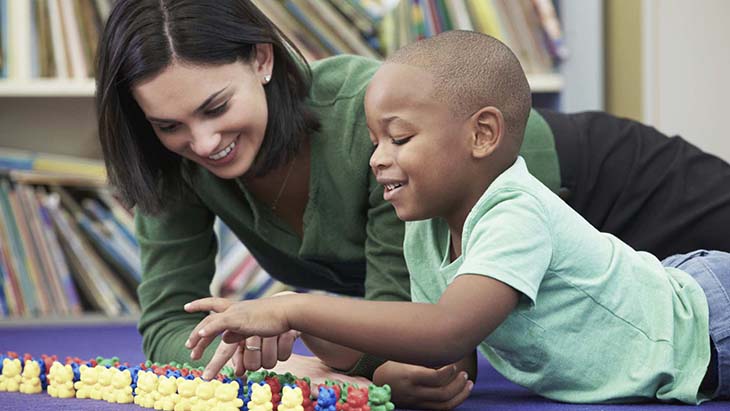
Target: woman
205	109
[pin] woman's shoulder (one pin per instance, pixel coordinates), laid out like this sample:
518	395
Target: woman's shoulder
340	77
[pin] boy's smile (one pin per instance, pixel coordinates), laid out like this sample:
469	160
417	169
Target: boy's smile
421	148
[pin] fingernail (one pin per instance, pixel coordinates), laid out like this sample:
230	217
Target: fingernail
186	306
191	356
465	375
469	385
187	343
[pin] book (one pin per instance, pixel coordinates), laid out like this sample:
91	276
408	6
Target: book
19	49
306	42
88	30
101	288
339	25
58	259
551	28
485	18
3	38
52	164
10	280
45	42
26	291
30	258
72	36
58	40
459	14
302	11
357	17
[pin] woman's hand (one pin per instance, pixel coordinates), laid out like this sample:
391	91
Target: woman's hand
247	352
419	387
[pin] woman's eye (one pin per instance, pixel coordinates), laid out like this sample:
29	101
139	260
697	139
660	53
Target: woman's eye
167	129
217	110
400	141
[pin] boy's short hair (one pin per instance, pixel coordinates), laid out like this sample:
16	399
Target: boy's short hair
473	70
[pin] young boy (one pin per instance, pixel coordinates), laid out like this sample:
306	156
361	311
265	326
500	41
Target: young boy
500	263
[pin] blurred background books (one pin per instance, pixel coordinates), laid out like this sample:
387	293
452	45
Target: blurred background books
58	38
67	248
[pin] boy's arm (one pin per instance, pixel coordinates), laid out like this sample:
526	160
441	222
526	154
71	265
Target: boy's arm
426	334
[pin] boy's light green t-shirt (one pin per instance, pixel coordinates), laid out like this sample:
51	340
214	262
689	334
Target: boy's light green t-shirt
596	322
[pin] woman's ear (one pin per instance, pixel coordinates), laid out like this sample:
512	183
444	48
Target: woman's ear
488	131
264	61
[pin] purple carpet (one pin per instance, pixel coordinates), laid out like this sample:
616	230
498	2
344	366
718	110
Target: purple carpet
492	392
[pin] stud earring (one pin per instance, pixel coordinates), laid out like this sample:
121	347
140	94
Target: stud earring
267	78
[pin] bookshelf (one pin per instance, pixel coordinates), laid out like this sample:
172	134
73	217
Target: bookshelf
54	115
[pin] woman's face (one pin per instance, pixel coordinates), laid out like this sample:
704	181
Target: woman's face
213	115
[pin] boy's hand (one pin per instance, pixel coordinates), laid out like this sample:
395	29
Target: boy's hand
422	387
241	323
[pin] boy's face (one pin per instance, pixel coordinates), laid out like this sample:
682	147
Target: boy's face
421	147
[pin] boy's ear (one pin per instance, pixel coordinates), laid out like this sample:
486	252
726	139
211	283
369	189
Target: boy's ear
488	130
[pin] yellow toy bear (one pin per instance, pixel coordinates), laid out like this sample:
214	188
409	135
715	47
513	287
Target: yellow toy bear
205	393
260	398
167	390
105	383
226	396
88	383
146	391
31	382
186	392
122	383
61	381
291	399
10	378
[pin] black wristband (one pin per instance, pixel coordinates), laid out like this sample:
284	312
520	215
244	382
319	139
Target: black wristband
366	366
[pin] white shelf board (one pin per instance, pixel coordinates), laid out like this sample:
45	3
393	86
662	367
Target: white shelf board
539	83
545	82
90	319
47	88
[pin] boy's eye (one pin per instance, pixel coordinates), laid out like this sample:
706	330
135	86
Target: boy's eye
400	141
217	110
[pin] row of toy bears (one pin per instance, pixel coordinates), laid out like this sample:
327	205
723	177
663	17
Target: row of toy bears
180	388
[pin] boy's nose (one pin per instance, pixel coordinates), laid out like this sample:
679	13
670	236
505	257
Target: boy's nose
379	159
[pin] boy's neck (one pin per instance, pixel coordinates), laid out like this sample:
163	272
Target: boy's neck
475	192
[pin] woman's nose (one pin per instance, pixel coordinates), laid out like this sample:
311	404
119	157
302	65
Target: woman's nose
204	141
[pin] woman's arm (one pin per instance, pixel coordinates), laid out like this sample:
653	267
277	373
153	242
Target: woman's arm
177	254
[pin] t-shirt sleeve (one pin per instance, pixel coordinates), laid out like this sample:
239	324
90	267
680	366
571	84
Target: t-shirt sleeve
178	248
511	242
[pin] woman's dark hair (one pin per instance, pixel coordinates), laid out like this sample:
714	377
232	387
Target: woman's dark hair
143	37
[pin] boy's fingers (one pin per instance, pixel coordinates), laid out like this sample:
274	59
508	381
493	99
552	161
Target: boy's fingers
208	304
435	378
443	393
450	403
